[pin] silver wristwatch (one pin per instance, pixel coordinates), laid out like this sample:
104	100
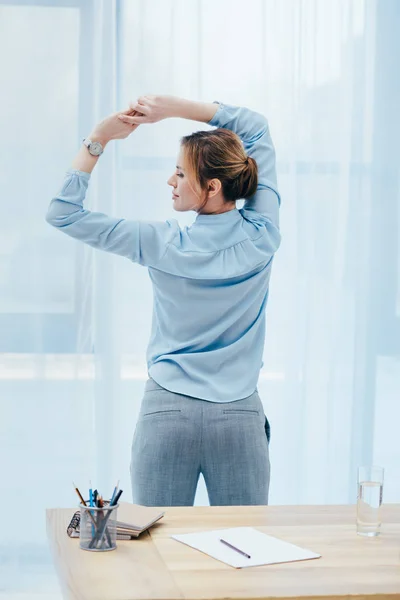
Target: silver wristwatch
95	148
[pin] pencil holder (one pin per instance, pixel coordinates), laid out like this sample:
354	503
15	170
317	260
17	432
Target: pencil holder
98	528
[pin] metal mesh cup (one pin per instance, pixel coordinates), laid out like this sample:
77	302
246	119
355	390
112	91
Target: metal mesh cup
98	528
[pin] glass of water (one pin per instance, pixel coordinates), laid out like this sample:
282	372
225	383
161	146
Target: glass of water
369	500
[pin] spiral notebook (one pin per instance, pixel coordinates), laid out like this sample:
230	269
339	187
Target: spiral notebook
132	520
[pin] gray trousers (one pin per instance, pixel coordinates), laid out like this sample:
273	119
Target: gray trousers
177	437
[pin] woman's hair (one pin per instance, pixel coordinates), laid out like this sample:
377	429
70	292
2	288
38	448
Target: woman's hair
220	154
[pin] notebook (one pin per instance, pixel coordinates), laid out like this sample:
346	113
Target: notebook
263	549
132	520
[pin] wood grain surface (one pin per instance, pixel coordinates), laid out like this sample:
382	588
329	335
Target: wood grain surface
156	566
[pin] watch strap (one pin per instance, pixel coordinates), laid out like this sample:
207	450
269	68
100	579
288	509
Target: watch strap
87	142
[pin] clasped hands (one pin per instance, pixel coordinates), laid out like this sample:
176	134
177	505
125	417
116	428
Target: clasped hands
147	109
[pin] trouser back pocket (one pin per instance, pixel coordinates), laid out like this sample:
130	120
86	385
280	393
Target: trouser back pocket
267	428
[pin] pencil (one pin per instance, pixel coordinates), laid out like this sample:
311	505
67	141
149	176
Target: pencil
79	494
234	548
84	504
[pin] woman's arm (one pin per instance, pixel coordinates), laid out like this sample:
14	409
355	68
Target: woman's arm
141	242
253	130
84	161
156	108
195	111
250	126
110	128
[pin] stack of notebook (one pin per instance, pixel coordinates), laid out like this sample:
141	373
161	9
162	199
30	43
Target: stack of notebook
132	520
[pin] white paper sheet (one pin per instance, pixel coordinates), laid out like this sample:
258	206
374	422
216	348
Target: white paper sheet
263	549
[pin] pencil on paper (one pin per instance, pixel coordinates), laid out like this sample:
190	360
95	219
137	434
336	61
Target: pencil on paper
234	548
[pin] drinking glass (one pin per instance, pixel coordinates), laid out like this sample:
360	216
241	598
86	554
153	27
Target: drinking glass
369	500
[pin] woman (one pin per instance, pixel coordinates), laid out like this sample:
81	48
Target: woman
201	412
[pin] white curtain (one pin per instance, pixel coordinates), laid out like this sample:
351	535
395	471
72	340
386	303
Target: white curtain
75	322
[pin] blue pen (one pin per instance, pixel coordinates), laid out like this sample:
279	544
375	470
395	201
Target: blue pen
103	526
91	504
114	492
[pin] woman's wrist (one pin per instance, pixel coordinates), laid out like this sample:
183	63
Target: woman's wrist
97	136
195	111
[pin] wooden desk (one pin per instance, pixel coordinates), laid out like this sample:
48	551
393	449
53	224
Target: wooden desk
157	567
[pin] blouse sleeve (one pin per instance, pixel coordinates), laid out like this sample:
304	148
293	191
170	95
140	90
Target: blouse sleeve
141	242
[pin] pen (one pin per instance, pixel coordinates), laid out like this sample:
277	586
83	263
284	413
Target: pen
234	548
102	527
100	513
117	497
91	502
114	492
101	520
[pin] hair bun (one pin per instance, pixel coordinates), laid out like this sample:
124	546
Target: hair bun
220	154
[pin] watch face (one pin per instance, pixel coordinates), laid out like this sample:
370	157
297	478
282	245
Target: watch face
95	148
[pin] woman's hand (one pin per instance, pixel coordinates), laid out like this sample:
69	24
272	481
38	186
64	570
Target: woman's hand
112	128
151	109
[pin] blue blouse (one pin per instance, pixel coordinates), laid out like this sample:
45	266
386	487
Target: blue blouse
210	279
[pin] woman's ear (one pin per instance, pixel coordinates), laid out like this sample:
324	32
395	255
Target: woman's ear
214	186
